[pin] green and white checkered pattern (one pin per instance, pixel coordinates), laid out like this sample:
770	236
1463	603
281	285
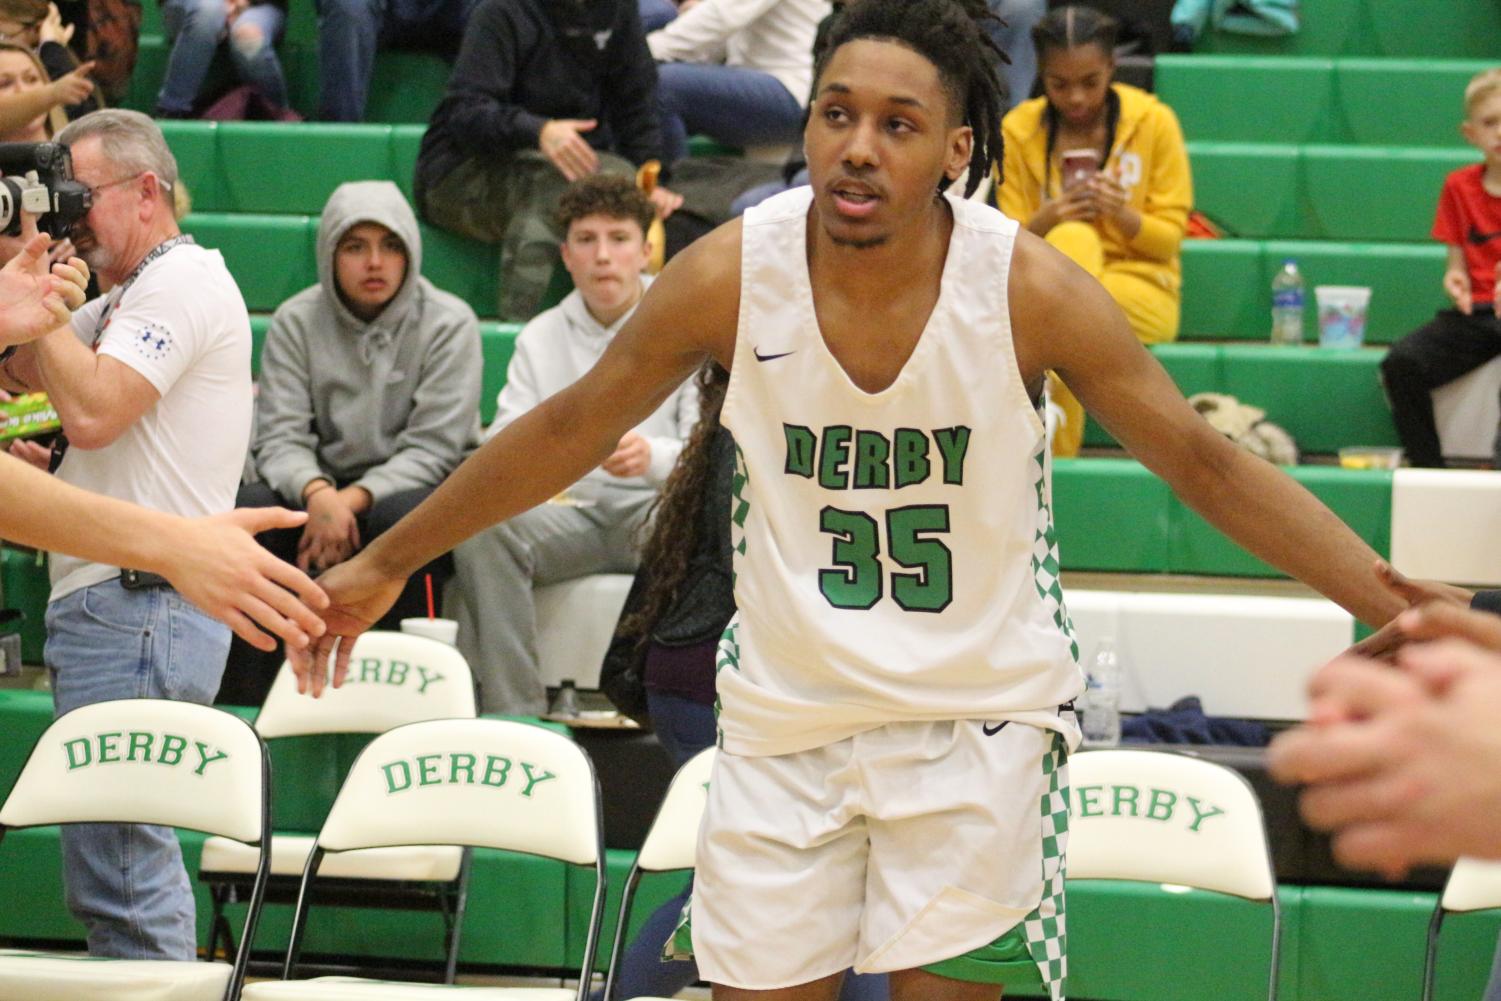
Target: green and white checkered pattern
1047	936
728	656
739	511
1045	561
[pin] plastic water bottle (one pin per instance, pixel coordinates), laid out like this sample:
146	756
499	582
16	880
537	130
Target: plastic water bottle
1102	698
1287	304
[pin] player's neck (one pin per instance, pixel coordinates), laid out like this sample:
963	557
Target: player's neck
910	254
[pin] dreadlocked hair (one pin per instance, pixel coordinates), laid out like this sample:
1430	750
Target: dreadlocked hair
950	35
1069	28
674	518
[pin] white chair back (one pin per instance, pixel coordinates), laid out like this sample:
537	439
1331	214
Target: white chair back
672	842
1474	885
482	782
149	761
1166	818
394	678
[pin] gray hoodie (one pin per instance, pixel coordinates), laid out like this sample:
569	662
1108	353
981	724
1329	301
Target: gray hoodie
389	405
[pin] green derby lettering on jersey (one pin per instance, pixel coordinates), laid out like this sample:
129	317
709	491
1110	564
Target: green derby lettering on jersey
461	768
141	747
841	457
1161	805
375	671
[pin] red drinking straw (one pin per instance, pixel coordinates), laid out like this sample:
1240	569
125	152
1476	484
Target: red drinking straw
428	580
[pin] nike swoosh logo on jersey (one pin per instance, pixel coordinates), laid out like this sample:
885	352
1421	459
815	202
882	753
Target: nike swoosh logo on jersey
1478	238
991	731
761	357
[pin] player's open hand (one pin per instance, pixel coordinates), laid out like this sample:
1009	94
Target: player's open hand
358	595
36	296
217	565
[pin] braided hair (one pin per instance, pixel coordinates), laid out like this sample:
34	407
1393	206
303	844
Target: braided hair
949	34
1069	28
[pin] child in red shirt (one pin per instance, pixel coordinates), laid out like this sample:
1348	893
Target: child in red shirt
1461	339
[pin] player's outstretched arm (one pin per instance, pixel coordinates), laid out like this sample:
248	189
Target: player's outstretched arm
689	313
1068	323
214	561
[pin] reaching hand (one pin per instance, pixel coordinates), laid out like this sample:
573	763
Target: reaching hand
1385	641
53	29
565	149
358	595
1106	194
70	88
217	565
632	457
35	299
664	201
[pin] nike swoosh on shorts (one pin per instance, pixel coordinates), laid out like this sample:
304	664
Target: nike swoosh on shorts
761	357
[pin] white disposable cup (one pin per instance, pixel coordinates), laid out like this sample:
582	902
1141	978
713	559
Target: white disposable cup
1342	314
444	630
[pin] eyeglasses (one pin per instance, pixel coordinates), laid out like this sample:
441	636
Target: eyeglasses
94	191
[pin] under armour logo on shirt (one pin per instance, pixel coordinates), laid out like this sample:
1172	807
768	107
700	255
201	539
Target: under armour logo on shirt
153	341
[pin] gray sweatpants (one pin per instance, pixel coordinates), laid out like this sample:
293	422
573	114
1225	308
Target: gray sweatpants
494	572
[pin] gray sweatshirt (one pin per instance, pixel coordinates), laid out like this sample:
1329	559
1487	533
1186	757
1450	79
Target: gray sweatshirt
388	405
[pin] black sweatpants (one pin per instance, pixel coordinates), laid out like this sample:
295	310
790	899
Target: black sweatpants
1447	347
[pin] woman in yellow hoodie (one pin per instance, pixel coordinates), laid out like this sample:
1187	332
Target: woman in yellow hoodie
1122	222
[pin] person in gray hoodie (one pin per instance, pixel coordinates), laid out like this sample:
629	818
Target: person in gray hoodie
592	527
369	397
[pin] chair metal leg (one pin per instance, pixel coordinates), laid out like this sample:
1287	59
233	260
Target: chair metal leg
1430	958
455	917
617	948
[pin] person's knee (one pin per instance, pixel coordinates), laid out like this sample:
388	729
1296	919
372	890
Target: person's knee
247	39
1402	365
1080	242
203	16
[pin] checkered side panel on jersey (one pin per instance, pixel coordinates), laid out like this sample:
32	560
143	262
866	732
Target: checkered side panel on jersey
727	657
679	944
1045	563
739	511
1047	936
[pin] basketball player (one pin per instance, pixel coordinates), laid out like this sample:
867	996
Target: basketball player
894	690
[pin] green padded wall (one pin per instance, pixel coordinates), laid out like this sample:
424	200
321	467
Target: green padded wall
24	585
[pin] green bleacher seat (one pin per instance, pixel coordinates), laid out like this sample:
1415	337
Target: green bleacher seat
1226	284
406	141
1322	192
266	169
1151	531
1292	384
1445	29
1272	99
270	256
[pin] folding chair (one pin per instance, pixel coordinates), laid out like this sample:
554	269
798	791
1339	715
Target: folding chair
146	761
394	678
670	845
479	782
1473	885
1157	817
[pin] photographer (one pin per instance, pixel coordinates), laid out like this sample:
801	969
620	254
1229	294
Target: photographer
152	385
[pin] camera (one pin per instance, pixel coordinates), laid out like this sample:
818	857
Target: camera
38	177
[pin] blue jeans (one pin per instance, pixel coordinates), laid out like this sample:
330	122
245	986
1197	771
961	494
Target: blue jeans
1015	39
684	728
657	14
729	104
349	32
126	882
196	28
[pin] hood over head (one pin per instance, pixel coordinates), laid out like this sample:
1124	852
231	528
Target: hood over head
379	202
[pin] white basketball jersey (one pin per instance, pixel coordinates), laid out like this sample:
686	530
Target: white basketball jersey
894	551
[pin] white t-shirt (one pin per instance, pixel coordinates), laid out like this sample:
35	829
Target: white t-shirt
183	326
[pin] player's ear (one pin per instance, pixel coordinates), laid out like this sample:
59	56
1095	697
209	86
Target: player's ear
961	141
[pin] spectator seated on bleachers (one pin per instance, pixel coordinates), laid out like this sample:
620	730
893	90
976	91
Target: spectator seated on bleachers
24	89
1121	219
737	71
197	27
592	528
36	25
544	92
1460	339
369	397
350	31
1012	32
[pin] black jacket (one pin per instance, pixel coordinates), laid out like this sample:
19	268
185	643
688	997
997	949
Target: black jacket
523	62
